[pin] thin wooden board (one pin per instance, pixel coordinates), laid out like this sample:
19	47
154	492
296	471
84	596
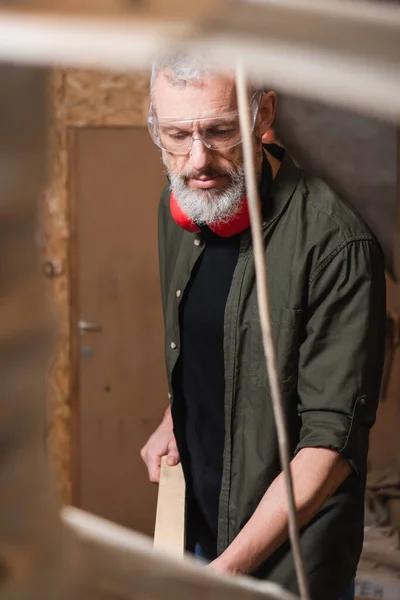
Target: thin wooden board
169	531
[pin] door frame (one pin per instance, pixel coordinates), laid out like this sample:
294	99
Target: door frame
78	99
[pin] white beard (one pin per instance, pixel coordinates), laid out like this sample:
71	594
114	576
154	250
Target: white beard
209	207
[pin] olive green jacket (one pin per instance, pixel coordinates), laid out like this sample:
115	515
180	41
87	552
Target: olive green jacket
327	296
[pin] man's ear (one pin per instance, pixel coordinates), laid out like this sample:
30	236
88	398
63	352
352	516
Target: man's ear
266	113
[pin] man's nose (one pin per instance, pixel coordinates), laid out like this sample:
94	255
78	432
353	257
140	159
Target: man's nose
200	156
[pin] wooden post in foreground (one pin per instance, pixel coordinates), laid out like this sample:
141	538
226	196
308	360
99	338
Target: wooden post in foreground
78	557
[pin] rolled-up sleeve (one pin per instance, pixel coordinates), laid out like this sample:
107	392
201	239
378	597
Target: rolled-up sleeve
341	356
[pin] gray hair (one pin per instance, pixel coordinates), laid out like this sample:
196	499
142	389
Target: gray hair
188	68
183	69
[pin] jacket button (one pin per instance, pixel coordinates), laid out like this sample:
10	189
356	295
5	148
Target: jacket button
362	401
197	242
178	293
173	346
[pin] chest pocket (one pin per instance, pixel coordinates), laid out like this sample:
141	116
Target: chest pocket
286	327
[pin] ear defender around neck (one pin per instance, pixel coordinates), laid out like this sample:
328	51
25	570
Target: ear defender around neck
236	225
180	217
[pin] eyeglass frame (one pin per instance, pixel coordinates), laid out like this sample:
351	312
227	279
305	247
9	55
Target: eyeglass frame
152	118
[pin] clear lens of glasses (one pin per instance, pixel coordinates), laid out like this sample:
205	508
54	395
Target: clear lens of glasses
217	133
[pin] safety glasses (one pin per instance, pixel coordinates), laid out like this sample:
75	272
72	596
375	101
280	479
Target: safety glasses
217	133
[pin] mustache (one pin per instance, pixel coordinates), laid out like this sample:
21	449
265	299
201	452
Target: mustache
234	173
209	172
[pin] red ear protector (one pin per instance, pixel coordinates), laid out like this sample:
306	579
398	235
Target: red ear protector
237	224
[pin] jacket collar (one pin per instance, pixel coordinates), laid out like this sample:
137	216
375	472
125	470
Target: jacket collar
276	196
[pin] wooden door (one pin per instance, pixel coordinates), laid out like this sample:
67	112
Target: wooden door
117	178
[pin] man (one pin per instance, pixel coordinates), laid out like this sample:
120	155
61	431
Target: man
327	295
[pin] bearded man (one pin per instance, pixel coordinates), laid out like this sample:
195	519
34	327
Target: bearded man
327	296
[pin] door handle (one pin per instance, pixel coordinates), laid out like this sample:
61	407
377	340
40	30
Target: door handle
86	326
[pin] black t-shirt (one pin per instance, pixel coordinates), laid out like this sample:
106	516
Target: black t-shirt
199	377
202	381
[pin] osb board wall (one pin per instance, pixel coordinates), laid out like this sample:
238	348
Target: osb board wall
78	99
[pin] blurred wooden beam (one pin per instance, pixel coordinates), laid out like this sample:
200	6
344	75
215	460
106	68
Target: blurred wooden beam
101	43
123	564
336	52
342	53
148	9
31	535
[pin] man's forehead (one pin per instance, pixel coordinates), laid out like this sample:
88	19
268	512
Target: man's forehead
209	97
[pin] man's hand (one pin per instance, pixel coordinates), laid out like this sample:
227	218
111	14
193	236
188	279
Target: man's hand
161	443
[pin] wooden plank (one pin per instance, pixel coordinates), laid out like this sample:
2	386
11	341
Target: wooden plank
120	8
119	563
30	529
169	531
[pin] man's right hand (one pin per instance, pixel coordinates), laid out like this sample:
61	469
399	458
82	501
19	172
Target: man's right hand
161	443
